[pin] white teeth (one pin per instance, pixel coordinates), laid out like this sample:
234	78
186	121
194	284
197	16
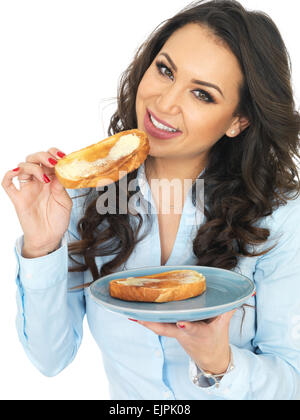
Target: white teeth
161	126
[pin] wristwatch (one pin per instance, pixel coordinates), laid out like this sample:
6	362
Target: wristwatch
205	379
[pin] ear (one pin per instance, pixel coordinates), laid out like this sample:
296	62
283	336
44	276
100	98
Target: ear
237	127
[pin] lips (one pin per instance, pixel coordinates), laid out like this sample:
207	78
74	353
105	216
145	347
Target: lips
161	121
157	132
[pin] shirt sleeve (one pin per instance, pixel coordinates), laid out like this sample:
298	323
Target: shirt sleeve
272	371
49	316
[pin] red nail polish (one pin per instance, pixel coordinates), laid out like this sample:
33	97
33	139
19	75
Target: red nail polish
16	170
181	326
52	161
46	179
134	320
61	154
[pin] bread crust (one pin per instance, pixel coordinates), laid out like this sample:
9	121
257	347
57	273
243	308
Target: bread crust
112	170
170	288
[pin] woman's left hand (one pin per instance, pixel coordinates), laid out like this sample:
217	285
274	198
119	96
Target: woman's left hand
206	342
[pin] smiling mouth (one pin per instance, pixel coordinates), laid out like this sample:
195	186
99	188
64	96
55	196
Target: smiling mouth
160	125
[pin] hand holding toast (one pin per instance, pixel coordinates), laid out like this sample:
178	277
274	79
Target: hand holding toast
42	204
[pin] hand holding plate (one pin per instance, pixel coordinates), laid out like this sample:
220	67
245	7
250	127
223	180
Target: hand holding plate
206	343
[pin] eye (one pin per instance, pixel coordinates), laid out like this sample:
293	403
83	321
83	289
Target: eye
203	95
163	69
200	94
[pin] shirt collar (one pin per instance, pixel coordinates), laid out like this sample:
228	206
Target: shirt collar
143	184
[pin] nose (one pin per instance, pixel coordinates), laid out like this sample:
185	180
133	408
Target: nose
169	100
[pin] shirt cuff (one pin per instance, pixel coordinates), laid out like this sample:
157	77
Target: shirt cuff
235	383
43	272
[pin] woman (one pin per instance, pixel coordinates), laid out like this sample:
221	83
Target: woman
218	77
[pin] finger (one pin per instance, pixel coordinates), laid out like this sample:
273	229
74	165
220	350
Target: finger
228	315
48	160
56	153
197	327
210	320
57	187
193	327
32	171
162	329
43	158
8	185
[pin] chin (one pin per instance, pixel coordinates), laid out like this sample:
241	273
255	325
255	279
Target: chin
156	151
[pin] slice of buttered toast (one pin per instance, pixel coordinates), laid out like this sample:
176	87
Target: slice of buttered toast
105	162
163	287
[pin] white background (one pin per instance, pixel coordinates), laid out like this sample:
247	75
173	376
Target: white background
60	61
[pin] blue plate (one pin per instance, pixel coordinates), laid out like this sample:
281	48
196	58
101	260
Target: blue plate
226	290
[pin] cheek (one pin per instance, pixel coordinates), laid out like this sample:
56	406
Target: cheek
145	91
141	94
146	87
211	123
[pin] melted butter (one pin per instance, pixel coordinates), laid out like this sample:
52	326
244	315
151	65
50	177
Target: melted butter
134	281
140	281
83	169
125	146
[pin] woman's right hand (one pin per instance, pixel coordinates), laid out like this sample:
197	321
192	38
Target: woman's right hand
42	204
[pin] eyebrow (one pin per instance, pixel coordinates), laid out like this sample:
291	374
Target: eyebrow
197	82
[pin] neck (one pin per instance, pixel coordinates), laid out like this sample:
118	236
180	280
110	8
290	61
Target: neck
160	168
166	169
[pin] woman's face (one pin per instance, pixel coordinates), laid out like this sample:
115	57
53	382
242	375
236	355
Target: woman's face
169	90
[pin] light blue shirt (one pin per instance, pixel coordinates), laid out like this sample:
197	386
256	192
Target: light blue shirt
143	366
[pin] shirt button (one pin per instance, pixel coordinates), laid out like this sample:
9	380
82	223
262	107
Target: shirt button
157	353
28	276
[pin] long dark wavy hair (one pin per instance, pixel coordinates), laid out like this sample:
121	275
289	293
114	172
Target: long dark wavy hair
245	179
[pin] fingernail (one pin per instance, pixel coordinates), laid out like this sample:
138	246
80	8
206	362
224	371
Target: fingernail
46	179
134	320
61	154
16	170
52	161
254	294
181	326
